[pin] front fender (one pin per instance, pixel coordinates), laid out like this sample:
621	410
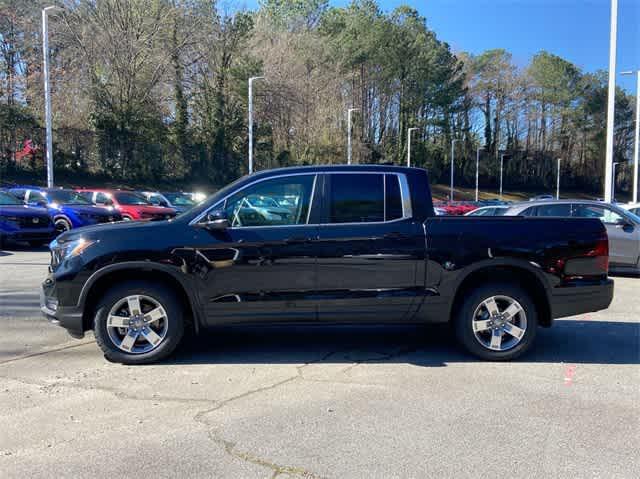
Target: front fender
145	266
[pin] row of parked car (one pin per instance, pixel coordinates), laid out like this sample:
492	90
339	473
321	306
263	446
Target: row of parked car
37	215
622	221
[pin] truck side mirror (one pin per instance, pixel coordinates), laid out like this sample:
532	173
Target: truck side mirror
216	221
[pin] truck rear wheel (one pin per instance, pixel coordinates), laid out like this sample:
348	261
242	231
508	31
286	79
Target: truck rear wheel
138	323
497	322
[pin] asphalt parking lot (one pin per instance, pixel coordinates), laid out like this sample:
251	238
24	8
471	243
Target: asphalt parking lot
317	402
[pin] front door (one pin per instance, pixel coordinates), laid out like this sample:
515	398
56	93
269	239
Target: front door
263	266
369	249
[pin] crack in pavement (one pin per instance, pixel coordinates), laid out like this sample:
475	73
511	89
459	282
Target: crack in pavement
200	417
48	351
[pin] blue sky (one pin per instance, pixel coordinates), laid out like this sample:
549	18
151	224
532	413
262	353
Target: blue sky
577	30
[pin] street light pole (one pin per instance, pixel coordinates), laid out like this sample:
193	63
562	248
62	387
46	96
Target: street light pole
636	146
47	94
613	185
349	113
477	169
558	181
251	80
611	98
453	142
501	166
409	131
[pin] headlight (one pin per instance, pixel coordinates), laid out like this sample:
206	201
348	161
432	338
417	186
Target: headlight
68	249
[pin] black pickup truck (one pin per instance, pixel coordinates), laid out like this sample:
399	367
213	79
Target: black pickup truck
326	244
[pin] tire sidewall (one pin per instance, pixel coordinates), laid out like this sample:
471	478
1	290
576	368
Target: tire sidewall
464	321
65	222
165	297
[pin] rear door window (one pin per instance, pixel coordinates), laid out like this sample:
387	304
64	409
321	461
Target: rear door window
356	198
393	198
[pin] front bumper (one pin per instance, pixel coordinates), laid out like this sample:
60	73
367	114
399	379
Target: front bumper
30	235
580	299
69	317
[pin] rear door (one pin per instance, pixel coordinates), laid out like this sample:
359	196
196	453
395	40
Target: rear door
369	248
624	239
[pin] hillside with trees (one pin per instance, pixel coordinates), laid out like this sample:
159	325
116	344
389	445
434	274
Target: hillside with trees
156	90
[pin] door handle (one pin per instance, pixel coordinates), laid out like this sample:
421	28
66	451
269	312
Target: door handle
394	236
297	240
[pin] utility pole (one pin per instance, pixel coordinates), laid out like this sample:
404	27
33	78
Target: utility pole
611	103
251	80
636	146
453	142
558	181
349	113
47	94
409	131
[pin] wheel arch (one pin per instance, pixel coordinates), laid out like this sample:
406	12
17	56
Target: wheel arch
104	278
531	281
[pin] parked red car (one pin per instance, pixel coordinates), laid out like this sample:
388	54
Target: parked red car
456	208
131	205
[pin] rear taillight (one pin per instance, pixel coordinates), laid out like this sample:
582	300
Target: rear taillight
601	253
588	262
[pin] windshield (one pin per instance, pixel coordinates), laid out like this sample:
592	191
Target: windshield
180	199
67	197
6	199
127	198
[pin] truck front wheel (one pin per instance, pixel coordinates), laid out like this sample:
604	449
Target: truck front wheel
497	322
138	323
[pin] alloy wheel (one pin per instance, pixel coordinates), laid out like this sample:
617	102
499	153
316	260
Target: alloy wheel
137	324
499	323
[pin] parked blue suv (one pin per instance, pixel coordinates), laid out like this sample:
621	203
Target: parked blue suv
67	208
19	222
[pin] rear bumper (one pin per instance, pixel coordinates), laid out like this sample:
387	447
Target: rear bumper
580	299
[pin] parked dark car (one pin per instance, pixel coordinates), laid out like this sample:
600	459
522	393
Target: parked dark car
67	208
180	202
19	222
361	245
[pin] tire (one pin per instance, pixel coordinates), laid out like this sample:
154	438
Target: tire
126	218
62	225
514	336
168	330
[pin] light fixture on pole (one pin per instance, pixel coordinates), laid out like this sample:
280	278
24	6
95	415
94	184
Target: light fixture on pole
477	170
349	113
558	181
409	131
251	80
453	142
47	93
611	99
636	146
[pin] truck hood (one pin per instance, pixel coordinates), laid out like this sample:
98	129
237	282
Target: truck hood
133	229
